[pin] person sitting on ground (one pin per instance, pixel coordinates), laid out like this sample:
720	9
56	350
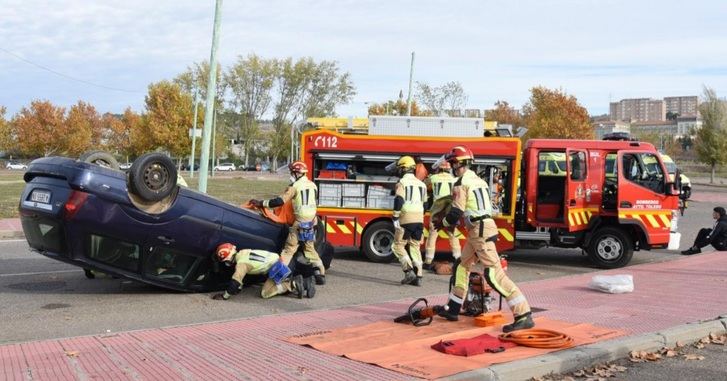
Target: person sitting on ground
255	261
716	236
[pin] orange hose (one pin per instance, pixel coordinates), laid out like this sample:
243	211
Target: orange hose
538	338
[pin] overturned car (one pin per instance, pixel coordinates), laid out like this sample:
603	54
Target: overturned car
142	225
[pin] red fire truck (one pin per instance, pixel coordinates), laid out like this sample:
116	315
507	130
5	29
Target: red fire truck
600	196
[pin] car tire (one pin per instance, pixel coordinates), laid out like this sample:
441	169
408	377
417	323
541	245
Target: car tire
100	158
152	177
610	248
377	242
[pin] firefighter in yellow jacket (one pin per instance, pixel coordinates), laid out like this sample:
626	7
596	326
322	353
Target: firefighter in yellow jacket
303	193
440	185
408	217
256	262
471	202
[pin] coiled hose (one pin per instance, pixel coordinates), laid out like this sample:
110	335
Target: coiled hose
538	338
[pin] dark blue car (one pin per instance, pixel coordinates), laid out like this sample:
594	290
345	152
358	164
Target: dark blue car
140	226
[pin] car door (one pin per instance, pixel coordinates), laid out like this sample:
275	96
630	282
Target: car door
577	216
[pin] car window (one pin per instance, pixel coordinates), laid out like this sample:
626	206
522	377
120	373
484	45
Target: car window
169	265
117	253
644	169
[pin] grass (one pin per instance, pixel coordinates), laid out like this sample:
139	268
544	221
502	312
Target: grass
235	190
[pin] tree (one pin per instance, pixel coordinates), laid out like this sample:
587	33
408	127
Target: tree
84	128
555	114
250	81
503	113
299	86
168	117
196	76
670	115
7	139
40	129
438	100
711	142
397	107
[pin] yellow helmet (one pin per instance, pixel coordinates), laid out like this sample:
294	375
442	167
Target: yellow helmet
406	162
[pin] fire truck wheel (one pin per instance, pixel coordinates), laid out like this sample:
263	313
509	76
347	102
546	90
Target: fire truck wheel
610	248
377	241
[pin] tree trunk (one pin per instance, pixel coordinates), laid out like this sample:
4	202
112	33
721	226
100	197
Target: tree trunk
711	176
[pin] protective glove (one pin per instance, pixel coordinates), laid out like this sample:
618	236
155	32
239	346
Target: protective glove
397	225
256	203
219	296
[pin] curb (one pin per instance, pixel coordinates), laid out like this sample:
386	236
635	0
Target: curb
11	234
588	355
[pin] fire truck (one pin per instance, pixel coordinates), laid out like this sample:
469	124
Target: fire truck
600	196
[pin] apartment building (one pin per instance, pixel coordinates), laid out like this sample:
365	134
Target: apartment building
684	106
638	110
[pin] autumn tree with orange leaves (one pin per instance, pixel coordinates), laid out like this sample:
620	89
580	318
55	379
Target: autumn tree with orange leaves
555	114
168	119
503	113
83	124
40	130
6	133
397	107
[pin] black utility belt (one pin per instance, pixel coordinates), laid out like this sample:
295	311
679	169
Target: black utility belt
480	218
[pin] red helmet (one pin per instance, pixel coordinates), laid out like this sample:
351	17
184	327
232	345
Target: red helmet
459	154
298	167
225	251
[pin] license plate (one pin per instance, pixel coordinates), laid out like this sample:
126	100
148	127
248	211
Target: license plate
40	196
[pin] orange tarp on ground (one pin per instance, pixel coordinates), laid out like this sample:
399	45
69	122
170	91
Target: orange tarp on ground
407	349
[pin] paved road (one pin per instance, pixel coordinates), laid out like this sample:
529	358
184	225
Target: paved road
41	298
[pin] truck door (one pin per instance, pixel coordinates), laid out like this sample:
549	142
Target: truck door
576	186
642	198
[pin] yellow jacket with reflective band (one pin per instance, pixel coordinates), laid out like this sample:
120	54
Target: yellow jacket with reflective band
304	200
414	192
472	196
253	262
442	184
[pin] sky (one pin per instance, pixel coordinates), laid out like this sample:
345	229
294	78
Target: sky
108	52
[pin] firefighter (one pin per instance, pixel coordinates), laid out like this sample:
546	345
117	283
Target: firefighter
408	217
439	185
253	261
303	192
471	202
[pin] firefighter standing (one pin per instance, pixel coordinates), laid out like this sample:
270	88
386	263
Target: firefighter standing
440	185
471	201
247	261
408	219
303	193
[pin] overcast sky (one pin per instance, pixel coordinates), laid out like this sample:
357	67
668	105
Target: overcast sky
595	50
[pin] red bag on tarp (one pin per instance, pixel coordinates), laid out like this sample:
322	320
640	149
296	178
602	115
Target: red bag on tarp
473	346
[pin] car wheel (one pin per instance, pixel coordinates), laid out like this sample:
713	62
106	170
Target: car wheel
152	177
378	240
610	248
100	158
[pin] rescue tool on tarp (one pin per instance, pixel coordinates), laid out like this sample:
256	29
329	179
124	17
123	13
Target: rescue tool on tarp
420	315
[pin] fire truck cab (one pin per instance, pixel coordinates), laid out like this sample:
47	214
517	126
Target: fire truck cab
608	198
605	197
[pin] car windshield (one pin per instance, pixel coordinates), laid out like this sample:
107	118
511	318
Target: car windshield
671	167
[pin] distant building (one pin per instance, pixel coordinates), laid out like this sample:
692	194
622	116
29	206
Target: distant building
601	128
668	127
638	110
684	106
688	125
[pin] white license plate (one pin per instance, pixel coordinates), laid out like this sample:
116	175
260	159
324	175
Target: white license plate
40	196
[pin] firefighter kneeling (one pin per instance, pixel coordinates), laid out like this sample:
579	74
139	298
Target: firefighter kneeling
471	201
256	262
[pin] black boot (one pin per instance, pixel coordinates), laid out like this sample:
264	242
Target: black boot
451	313
692	250
524	321
417	282
409	277
298	286
309	284
320	278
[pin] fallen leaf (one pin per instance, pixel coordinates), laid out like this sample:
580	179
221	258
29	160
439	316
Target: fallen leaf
579	373
679	344
699	345
670	353
705	340
653	356
619	368
72	353
692	356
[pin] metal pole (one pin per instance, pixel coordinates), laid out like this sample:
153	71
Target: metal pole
411	76
210	102
194	133
214	140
